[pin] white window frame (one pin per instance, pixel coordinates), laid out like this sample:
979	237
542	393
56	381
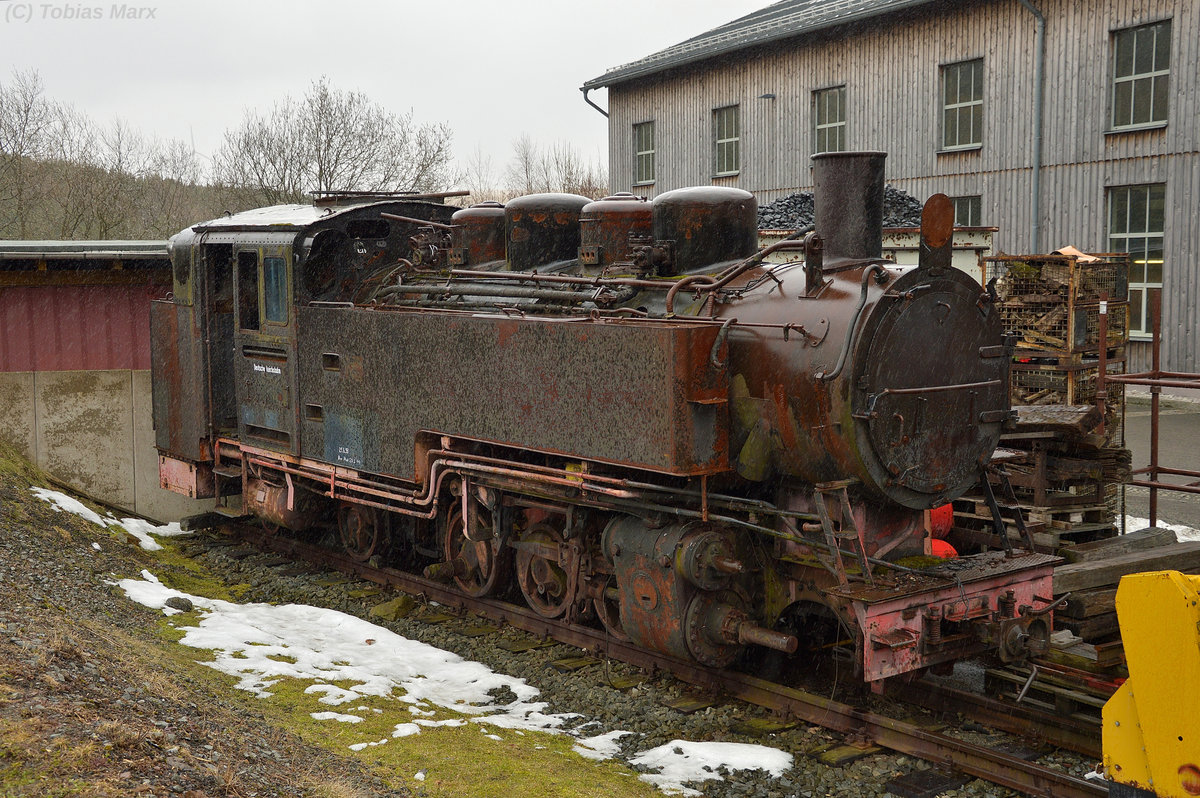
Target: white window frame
968	210
727	144
959	108
643	159
825	125
1151	85
1136	234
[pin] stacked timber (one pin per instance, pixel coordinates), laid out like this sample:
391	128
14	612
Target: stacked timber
1050	305
1090	578
1063	456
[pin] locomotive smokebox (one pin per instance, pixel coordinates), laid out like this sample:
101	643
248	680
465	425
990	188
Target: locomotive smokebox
542	229
848	193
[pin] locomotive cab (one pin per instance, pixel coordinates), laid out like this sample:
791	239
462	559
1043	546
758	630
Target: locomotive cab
225	343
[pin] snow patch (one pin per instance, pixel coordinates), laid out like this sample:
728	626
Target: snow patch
406	730
1182	531
261	644
600	747
335	716
138	527
680	760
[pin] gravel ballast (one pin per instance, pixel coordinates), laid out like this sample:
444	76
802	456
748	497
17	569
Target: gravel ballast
79	665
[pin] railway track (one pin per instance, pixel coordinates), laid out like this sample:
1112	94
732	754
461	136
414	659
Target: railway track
900	736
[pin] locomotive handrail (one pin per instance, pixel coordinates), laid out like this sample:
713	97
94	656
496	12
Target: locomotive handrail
958	386
660	285
422	222
874	268
719	281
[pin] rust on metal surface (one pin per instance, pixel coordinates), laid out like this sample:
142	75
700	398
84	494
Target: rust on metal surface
607	226
937	220
542	229
477	236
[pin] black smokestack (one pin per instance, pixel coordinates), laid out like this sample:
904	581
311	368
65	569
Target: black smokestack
848	194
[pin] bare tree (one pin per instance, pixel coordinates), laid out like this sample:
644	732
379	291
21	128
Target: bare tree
329	140
558	168
479	178
25	121
69	168
524	172
171	196
63	176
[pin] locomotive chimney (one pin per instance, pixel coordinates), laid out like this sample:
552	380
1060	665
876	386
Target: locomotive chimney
848	194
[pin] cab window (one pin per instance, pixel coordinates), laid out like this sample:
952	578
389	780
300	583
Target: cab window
247	275
275	299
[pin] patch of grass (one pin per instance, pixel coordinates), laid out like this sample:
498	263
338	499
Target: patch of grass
179	572
12	463
121	735
34	764
459	760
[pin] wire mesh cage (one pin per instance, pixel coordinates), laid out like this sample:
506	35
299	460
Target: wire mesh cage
1051	303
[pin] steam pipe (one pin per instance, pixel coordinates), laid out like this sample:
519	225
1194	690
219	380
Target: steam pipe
422	222
475	289
1039	88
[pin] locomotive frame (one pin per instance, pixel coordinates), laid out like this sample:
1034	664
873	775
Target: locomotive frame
614	408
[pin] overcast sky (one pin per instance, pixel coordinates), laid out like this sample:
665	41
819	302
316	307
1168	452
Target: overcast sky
492	70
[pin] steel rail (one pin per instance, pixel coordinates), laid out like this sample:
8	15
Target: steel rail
1059	730
905	738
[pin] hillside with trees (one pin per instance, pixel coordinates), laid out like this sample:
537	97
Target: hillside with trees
63	175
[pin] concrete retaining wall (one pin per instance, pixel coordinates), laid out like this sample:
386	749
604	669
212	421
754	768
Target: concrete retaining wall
94	431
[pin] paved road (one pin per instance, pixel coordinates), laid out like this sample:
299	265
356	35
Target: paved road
1179	447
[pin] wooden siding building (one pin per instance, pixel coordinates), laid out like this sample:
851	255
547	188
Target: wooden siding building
950	90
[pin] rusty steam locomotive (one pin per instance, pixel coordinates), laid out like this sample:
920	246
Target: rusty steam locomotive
616	408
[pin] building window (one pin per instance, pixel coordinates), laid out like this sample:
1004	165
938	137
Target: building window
1141	73
962	105
1135	225
643	153
968	211
727	156
829	120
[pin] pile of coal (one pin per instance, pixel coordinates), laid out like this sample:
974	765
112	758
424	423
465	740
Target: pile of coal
796	211
793	212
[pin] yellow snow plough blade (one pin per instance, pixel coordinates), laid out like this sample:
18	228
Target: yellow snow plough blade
1152	723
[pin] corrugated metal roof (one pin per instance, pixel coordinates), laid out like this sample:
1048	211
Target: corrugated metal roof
83	250
781	20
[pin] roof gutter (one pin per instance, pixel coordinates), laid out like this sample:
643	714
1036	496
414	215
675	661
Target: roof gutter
1039	80
586	99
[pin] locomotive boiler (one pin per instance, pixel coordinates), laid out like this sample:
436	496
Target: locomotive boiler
615	410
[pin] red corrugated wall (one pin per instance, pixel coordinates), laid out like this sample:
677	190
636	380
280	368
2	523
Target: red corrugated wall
75	328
